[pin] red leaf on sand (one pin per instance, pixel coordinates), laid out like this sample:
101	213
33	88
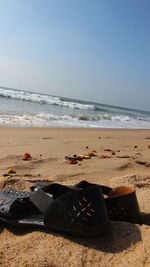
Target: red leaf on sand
105	157
73	162
27	156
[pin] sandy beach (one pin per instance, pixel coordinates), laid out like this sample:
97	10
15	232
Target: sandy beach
128	163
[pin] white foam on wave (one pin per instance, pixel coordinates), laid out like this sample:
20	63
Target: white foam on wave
42	99
67	121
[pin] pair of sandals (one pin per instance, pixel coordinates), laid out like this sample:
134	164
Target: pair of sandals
84	209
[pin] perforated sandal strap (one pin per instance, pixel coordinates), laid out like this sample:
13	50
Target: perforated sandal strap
78	211
15	193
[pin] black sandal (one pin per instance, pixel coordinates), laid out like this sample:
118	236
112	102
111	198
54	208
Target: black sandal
121	202
57	207
14	194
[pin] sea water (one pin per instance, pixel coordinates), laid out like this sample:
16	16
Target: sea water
20	108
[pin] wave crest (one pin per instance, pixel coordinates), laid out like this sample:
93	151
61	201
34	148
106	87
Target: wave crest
43	99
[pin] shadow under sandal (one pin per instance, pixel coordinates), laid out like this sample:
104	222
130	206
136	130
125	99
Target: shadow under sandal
59	208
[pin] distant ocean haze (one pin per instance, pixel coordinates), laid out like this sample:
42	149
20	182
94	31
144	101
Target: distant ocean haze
20	108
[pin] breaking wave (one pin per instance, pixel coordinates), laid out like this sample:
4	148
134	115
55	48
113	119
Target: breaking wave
68	121
43	99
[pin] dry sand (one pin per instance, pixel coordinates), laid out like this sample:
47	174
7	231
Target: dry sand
126	244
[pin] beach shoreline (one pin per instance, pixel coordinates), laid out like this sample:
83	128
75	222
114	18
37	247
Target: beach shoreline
122	158
20	108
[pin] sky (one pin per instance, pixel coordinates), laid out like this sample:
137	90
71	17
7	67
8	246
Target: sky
96	50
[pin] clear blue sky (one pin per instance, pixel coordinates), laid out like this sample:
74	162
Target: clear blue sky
96	50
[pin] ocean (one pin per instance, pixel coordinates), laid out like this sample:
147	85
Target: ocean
20	108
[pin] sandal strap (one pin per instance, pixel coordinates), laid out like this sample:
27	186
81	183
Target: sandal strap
12	193
78	186
41	200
